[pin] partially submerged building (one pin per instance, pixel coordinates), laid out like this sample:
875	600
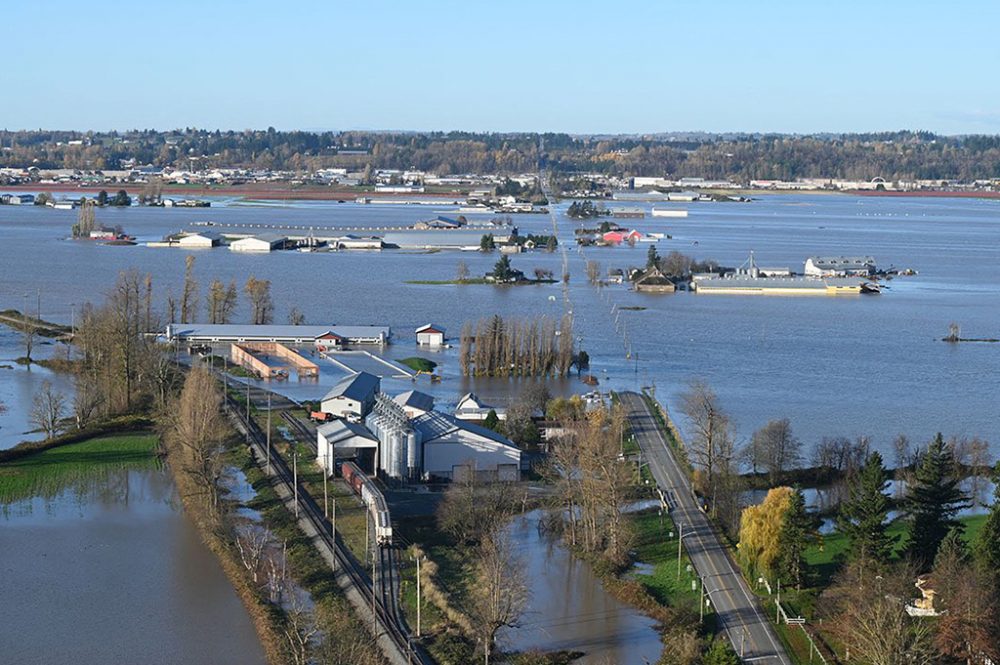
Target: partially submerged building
264	242
320	336
839	266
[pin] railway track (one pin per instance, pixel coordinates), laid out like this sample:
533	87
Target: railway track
382	589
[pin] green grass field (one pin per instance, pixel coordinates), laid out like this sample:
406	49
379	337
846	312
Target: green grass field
51	471
654	547
419	364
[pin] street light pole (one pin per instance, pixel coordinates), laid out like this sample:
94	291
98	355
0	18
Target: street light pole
680	543
418	595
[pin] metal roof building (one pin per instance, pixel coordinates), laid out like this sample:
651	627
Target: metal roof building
232	332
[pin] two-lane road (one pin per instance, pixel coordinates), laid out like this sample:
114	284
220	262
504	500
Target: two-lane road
739	614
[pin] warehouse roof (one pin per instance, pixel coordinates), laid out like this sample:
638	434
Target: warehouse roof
340	430
229	331
358	387
415	399
435	425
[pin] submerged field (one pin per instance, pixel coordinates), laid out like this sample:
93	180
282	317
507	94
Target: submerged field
50	472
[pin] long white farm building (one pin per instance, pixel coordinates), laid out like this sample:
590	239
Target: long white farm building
327	336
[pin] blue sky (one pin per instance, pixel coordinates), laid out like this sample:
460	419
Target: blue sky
576	66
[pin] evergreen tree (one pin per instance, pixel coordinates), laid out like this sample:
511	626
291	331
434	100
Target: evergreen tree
720	653
798	530
486	243
502	271
492	420
933	501
652	258
987	545
863	516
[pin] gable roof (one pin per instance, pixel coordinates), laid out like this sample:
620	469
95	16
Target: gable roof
358	387
415	399
435	425
430	327
339	430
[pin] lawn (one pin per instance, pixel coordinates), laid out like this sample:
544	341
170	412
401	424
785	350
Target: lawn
51	471
419	364
654	547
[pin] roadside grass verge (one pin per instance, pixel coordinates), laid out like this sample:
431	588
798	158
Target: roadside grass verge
656	552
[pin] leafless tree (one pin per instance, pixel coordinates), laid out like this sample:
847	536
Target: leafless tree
712	444
299	628
775	448
593	272
461	271
498	595
869	617
296	317
261	306
196	425
189	296
86	400
472	508
252	542
48	408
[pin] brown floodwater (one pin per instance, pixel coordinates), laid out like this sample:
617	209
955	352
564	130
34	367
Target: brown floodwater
111	571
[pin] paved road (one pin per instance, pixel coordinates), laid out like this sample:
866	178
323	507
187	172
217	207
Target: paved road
738	611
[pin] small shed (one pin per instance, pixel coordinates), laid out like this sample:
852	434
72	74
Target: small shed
430	335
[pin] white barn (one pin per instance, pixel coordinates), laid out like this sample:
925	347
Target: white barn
451	445
265	242
199	240
430	335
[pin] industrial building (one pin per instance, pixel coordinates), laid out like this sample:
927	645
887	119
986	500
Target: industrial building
320	336
415	403
431	444
265	242
203	239
342	439
839	266
430	335
353	397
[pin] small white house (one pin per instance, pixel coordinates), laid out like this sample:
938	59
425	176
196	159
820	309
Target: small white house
415	403
430	335
265	242
470	407
200	240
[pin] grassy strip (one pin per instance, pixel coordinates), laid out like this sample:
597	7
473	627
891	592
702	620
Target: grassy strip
419	364
49	472
118	424
22	323
655	547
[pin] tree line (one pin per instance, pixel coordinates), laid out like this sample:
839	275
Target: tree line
498	346
740	157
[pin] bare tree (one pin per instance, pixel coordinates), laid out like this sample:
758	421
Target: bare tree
296	317
593	272
472	508
196	425
775	448
48	408
461	271
189	296
29	330
499	593
870	617
261	306
86	400
712	444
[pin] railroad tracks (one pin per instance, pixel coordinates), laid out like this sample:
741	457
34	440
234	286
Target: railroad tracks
381	589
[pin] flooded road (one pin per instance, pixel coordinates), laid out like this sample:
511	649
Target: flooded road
569	609
111	571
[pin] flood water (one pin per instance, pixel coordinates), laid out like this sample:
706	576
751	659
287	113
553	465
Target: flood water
569	609
112	572
836	366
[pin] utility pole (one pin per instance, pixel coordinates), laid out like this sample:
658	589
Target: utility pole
418	595
269	428
777	605
248	418
680	542
326	499
367	520
701	602
295	477
333	522
374	615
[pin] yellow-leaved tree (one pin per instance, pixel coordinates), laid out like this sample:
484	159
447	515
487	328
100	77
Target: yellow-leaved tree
760	527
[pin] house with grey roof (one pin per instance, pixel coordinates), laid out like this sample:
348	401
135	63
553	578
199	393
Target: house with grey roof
353	396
